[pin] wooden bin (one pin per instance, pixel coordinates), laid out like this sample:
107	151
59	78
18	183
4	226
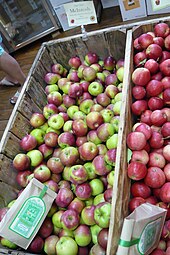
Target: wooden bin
32	99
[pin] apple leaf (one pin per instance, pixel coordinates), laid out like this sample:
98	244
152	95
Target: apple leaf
129	155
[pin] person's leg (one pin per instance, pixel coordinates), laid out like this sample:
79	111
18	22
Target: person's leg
12	69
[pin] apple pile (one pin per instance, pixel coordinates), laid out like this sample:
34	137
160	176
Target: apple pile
72	149
149	140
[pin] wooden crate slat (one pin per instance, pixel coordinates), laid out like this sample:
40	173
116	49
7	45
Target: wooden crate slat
36	92
21	126
39	73
27	107
9	194
121	187
115	43
11	146
7	172
61	52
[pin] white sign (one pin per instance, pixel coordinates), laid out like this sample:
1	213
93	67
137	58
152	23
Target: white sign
160	4
80	13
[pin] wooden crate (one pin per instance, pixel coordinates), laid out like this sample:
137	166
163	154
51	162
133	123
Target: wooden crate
32	99
113	41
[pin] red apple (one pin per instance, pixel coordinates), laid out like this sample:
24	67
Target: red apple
28	142
140	156
66	139
158	118
166	152
55	165
136	140
135	202
156	159
167	171
88	151
145	129
154	51
103	238
136	171
156	141
139	59
161	29
154	88
141	76
21	162
51	139
165	192
155	177
83	191
140	189
145	40
138	92
165	129
155	103
165	67
70	219
64	197
46	228
139	106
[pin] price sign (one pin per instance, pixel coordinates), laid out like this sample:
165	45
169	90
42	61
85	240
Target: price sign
159	4
80	13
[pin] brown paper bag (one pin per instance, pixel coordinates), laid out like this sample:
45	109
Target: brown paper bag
141	230
23	220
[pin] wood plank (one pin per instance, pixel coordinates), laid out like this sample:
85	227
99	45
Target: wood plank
7	172
7	196
10	146
121	187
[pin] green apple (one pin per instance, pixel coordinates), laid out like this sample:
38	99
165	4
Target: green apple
66	173
111	142
95	88
90	170
50	244
115	122
99	199
66	246
79	115
107	114
110	178
72	110
44	127
50	129
6	243
96	186
87	215
117	107
38	134
89	201
120	73
50	88
86	105
35	156
56	219
102	214
82	235
11	203
67	127
95	229
56	121
118	97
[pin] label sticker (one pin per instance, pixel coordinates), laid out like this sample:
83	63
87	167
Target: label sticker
80	13
28	217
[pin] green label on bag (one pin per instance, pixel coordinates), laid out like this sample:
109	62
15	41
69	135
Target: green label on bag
28	217
149	236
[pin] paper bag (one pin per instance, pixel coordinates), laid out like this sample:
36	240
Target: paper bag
23	220
141	230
